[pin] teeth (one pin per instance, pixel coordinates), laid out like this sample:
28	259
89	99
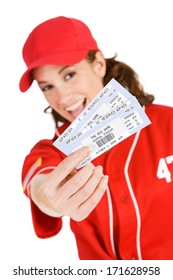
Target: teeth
74	106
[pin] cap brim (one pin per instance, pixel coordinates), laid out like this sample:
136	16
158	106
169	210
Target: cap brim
67	58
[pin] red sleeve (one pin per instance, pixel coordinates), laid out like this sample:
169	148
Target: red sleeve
43	158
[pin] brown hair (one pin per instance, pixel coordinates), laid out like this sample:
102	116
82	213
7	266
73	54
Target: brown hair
123	74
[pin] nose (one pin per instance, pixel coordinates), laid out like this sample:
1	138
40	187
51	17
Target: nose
63	95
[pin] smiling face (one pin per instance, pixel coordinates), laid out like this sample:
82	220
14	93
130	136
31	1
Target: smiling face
69	89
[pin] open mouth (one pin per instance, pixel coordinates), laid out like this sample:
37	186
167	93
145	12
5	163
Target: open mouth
76	108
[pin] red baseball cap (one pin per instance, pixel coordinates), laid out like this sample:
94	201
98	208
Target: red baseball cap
60	40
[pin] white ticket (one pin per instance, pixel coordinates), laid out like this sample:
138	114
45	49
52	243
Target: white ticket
112	116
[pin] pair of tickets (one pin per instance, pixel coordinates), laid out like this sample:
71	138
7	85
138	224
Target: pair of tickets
112	116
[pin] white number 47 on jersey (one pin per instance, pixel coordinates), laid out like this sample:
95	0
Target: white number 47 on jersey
163	170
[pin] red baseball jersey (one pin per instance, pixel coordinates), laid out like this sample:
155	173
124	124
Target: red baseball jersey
134	219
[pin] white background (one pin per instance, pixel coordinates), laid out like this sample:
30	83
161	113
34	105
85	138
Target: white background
140	32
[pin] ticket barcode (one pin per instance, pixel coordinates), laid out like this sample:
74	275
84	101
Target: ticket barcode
105	140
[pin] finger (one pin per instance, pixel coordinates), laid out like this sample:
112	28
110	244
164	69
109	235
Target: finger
87	188
87	207
77	181
68	165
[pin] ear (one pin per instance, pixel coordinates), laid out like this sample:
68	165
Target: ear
100	64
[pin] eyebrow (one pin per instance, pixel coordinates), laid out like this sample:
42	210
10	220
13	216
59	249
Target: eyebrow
63	68
60	71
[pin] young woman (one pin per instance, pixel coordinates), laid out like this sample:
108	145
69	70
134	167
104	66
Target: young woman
120	204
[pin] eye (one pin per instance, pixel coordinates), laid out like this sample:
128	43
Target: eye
46	88
69	76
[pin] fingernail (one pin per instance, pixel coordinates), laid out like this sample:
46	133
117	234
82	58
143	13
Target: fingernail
86	149
99	167
106	178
